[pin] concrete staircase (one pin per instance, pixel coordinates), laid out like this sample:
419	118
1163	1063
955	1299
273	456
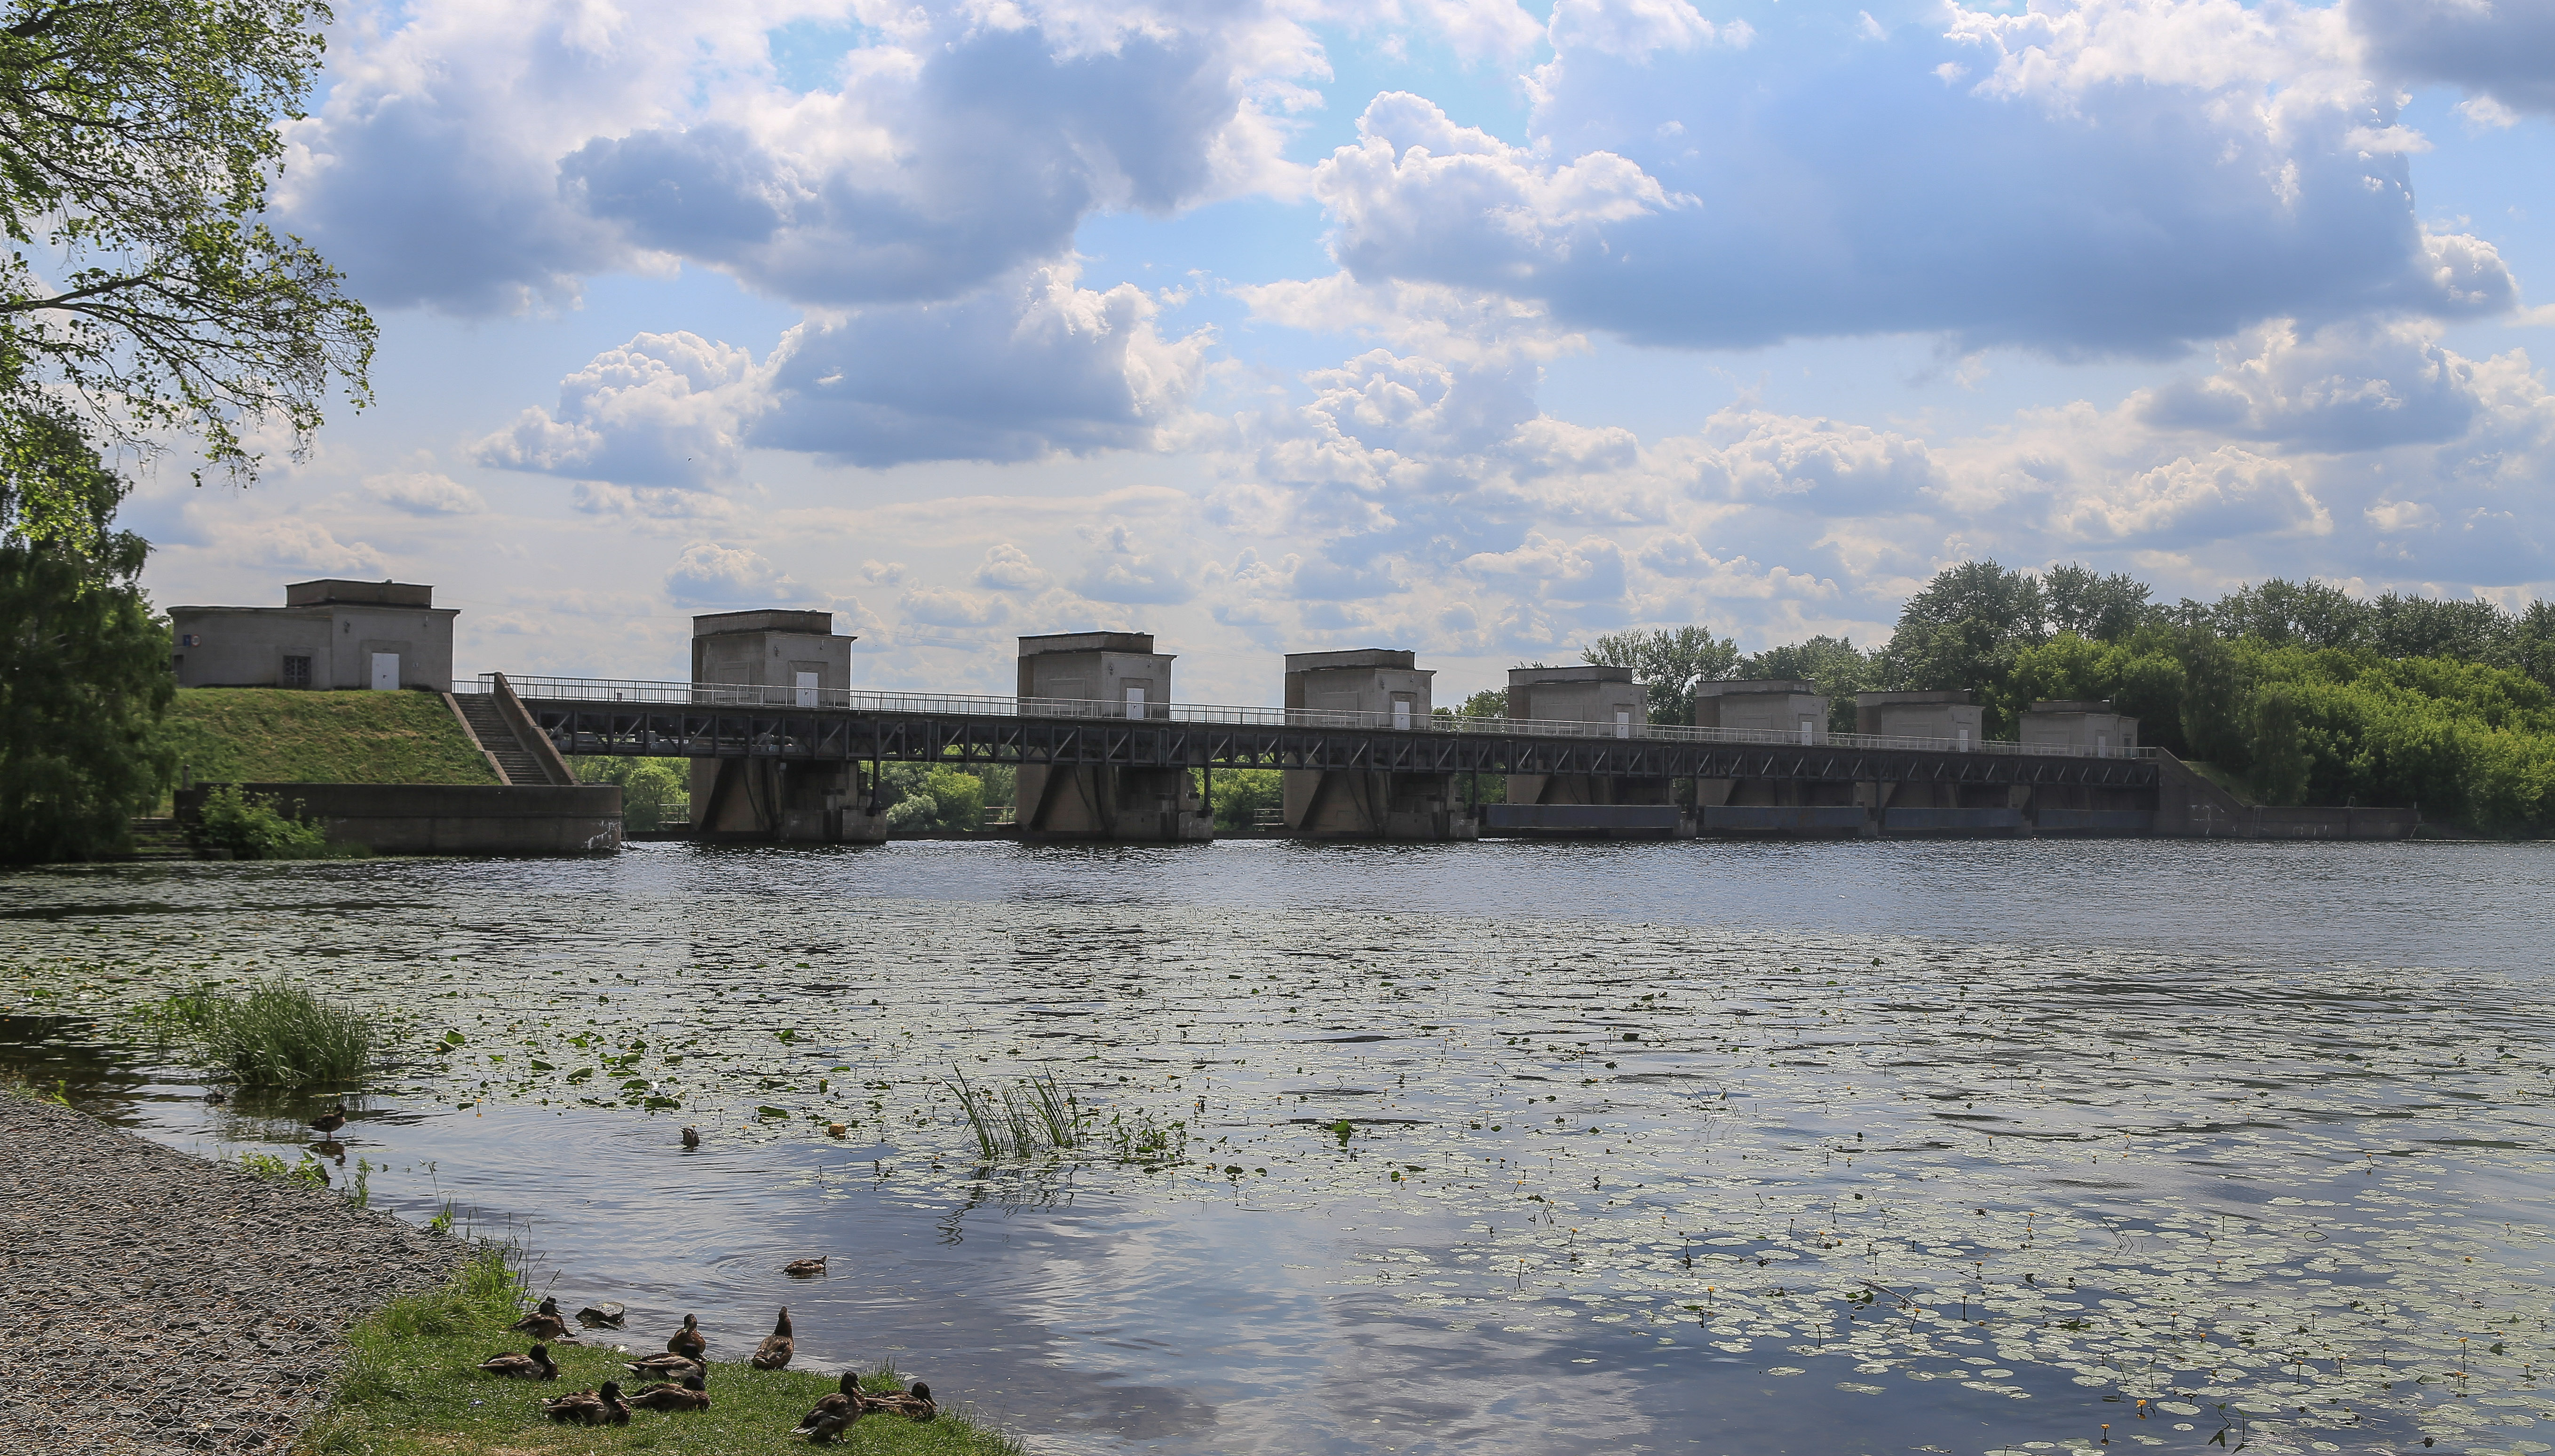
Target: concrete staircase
161	839
517	763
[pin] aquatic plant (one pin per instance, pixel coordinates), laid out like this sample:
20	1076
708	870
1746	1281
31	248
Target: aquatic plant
308	1173
277	1035
1021	1120
1138	1136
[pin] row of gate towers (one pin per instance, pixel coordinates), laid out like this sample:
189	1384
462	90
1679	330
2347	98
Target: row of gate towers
770	799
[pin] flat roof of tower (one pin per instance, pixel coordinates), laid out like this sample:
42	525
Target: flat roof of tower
1088	642
1362	656
764	619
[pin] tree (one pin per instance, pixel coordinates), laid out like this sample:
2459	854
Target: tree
137	140
84	662
1668	661
2096	607
1965	629
2425	627
1490	702
2282	613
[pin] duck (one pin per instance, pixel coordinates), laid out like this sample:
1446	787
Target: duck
670	1366
536	1365
834	1414
688	1341
806	1268
914	1405
691	1137
332	1119
691	1395
775	1351
544	1323
604	1316
216	1097
590	1407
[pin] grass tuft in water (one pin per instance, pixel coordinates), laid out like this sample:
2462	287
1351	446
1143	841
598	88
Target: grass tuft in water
411	1387
274	1035
1023	1120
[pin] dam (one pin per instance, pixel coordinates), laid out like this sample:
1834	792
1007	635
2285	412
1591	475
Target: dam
784	750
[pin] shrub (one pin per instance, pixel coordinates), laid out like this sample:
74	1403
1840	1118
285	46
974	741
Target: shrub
254	827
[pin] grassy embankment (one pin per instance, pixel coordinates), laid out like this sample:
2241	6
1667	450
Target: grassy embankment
274	735
412	1389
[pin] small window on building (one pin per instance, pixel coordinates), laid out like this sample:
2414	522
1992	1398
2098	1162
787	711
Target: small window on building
297	671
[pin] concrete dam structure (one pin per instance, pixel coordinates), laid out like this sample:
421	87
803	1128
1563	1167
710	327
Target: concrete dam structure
784	750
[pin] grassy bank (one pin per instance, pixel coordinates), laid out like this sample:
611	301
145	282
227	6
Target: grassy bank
274	735
412	1385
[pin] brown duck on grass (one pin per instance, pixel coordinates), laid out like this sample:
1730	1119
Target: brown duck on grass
544	1323
688	1341
536	1365
691	1395
590	1407
806	1268
834	1414
775	1351
669	1365
330	1121
914	1405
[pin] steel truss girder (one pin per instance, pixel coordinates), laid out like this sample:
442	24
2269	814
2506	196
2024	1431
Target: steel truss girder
841	736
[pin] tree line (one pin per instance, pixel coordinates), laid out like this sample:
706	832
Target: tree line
2299	691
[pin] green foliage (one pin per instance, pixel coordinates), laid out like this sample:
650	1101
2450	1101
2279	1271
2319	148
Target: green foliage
2099	608
1490	702
84	675
656	793
1241	794
274	1035
136	144
927	798
255	827
279	735
1138	1136
411	1387
309	1173
1669	662
2280	757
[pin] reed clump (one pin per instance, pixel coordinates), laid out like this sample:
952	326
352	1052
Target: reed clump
1021	1120
272	1035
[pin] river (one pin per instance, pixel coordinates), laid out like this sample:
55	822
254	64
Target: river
1496	1147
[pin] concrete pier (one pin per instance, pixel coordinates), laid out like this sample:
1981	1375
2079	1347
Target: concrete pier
1387	690
1105	676
1609	699
770	798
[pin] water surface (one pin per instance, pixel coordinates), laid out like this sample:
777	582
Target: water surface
1699	1148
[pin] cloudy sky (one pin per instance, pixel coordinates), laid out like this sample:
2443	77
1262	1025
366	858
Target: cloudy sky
1460	326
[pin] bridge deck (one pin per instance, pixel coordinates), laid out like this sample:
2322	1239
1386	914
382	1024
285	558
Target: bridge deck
581	718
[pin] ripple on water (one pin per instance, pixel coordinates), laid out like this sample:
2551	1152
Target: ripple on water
1643	1141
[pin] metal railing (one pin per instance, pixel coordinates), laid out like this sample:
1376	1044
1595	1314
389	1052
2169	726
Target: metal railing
639	693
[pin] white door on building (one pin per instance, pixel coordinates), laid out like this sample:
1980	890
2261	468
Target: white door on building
384	672
1962	735
1401	717
1623	723
806	694
2102	744
1809	730
1135	703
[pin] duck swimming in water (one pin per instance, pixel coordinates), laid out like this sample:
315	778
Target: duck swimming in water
777	1348
691	1395
688	1341
589	1408
691	1137
332	1119
806	1268
536	1365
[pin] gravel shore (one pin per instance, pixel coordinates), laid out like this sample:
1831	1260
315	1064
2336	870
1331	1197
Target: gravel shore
154	1302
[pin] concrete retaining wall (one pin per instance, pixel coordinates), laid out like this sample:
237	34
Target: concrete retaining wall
1786	819
1581	818
1952	821
2190	805
447	818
